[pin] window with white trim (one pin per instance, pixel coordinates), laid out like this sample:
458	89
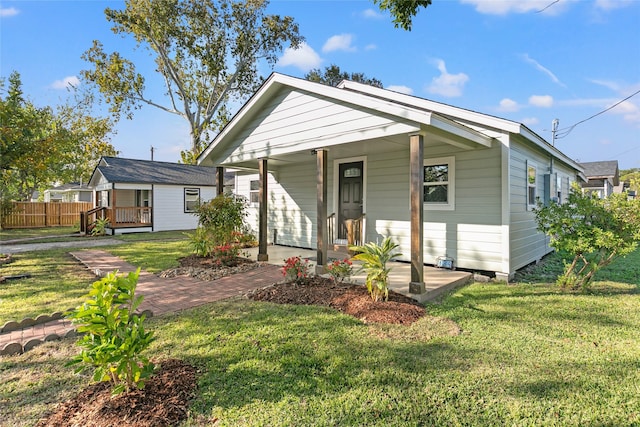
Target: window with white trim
191	199
532	178
254	191
439	183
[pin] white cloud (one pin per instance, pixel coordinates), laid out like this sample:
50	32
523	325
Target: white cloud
504	7
448	85
370	47
304	58
530	121
66	83
508	105
612	4
539	67
339	42
6	12
606	83
401	89
544	101
372	14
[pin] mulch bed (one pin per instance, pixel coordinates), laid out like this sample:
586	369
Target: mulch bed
348	298
164	401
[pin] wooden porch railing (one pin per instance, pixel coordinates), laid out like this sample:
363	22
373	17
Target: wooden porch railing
129	216
89	217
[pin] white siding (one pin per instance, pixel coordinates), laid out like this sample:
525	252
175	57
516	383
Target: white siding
527	243
168	207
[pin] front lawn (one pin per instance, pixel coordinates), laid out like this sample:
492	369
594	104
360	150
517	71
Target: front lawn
528	354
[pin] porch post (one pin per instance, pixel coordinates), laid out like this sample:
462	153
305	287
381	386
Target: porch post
321	185
219	180
416	169
262	223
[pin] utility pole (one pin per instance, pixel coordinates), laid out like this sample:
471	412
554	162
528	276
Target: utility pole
152	150
554	129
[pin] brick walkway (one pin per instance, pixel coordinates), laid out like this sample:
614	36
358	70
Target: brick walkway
161	296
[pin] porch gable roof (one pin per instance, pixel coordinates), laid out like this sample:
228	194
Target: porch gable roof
415	114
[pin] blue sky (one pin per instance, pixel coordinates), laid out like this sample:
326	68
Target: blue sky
505	58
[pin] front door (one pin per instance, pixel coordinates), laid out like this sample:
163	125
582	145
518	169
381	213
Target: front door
350	195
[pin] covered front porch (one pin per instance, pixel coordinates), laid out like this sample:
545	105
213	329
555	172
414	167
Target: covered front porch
437	280
127	209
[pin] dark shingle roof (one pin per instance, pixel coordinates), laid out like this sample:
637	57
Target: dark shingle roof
604	169
116	169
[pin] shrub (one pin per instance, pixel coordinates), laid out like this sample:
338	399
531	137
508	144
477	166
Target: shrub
222	217
296	270
340	269
100	227
594	231
226	254
114	335
374	259
200	242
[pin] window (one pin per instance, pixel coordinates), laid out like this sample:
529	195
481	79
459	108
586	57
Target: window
142	198
254	191
191	199
439	181
559	187
531	185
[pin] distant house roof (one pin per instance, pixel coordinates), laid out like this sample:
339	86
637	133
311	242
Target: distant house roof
72	186
602	170
119	170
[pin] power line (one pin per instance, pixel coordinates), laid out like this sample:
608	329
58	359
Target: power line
547	6
567	130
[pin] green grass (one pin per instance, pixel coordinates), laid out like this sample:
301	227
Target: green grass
31	233
528	354
59	282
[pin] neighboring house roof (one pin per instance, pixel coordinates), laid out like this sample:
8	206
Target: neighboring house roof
119	170
602	170
453	120
72	186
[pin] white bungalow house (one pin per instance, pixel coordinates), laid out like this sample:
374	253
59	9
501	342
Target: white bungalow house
144	195
71	192
323	164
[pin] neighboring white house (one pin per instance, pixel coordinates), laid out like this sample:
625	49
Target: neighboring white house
440	180
143	195
603	178
72	192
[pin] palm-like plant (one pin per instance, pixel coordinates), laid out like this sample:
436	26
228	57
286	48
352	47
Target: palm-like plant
374	259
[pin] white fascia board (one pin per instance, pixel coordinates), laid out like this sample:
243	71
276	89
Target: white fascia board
436	107
540	142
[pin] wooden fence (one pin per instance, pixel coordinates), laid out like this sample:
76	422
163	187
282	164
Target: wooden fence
44	214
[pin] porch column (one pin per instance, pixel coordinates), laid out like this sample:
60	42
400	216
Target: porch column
262	222
219	180
321	185
416	170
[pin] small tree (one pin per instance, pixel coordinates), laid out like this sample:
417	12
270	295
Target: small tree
594	231
114	335
374	259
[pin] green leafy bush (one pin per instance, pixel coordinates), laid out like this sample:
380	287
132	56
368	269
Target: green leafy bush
374	259
594	231
114	336
100	227
222	217
201	242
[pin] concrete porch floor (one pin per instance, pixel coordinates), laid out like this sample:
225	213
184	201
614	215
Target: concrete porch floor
437	280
